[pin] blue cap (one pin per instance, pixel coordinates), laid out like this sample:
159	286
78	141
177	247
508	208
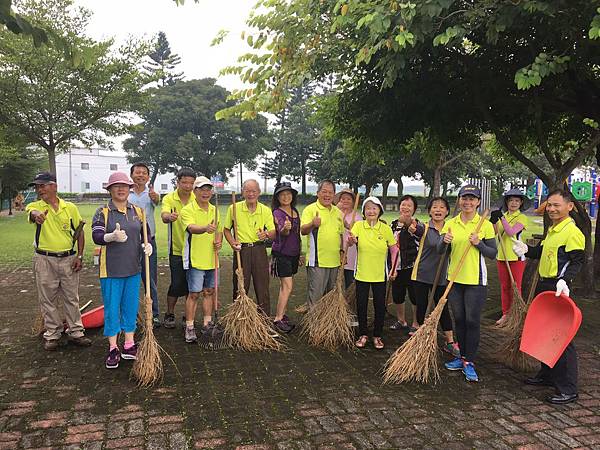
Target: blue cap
470	189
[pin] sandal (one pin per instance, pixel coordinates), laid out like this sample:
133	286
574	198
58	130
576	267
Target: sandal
378	343
362	341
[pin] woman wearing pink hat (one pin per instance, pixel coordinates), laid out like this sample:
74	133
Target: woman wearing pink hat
117	227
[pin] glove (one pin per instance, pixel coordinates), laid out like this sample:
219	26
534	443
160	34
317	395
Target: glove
496	215
562	288
116	236
147	249
520	248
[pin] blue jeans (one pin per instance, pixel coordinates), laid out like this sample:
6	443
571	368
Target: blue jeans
121	299
153	276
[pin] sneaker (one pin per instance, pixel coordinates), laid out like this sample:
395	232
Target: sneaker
130	353
455	364
155	322
283	326
452	348
169	321
80	341
50	345
469	372
285	318
190	335
113	359
397	325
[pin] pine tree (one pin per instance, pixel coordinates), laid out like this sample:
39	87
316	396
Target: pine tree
163	63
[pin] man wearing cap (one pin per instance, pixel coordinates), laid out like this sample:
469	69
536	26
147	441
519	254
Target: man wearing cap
203	238
56	264
254	226
323	224
147	199
172	204
561	256
344	200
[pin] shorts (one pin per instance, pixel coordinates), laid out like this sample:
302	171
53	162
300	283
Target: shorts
198	280
284	266
179	285
403	285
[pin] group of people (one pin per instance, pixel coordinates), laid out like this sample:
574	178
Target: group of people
411	256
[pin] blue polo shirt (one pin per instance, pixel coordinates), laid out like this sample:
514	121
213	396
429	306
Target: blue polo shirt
144	201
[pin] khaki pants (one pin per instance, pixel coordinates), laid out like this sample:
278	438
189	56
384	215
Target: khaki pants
54	276
255	263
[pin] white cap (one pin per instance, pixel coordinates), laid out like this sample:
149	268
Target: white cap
202	181
375	200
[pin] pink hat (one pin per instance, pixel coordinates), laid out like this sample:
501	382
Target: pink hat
118	178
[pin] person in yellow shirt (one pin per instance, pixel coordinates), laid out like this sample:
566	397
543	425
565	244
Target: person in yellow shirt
373	238
56	264
203	237
511	226
322	222
254	226
561	255
172	204
468	294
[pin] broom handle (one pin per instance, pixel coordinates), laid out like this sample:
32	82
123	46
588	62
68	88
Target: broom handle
146	257
235	230
344	244
216	299
510	274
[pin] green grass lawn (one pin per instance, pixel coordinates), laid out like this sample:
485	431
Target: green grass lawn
16	234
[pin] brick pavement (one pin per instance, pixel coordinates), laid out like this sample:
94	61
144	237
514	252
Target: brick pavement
301	399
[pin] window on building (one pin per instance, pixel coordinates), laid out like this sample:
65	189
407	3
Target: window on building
85	186
113	167
85	166
163	187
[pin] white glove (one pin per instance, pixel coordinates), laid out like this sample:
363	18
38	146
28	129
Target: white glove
519	247
116	236
147	249
562	288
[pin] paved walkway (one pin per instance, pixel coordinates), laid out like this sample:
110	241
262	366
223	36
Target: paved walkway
301	399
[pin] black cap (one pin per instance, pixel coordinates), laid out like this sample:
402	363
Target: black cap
470	189
284	186
43	178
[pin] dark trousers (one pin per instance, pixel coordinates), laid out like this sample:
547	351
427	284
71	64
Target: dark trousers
422	294
467	303
153	276
256	267
362	302
401	285
564	373
348	277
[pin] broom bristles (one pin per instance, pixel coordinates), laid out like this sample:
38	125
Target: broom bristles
417	359
247	328
302	309
148	368
350	295
37	328
515	314
509	352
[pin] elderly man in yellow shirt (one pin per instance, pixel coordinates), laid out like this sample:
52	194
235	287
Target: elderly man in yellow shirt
254	226
56	264
322	222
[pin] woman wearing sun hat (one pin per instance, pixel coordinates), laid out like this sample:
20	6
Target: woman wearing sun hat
511	226
285	253
117	227
373	238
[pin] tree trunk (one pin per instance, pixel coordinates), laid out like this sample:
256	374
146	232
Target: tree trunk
10	197
368	187
304	176
582	219
385	184
597	247
153	177
400	187
51	158
437	181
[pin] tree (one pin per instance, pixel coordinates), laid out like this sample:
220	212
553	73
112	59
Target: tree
162	63
52	103
179	129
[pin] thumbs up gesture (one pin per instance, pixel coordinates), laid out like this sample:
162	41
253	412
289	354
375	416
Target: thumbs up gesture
153	194
412	227
316	222
448	236
116	236
352	240
39	217
287	225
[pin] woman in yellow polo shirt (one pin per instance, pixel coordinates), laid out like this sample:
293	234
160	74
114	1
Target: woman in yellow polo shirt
373	238
512	224
469	291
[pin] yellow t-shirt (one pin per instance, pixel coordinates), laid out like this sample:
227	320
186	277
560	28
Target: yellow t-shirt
474	270
249	222
172	203
324	243
507	243
561	238
56	233
198	249
373	244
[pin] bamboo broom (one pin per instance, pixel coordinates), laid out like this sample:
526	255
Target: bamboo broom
417	359
518	307
328	324
148	368
246	327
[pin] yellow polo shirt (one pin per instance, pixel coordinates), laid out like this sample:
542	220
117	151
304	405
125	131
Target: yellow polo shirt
248	223
172	203
561	238
56	233
507	243
324	243
198	249
373	244
474	270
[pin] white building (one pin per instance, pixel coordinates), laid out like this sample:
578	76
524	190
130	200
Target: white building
87	170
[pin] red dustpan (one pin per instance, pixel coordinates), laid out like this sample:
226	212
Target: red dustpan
94	318
550	325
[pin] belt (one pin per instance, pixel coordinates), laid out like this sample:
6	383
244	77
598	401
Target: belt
56	254
252	244
549	279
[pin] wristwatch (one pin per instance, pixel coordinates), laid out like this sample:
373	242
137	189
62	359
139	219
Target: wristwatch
80	257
